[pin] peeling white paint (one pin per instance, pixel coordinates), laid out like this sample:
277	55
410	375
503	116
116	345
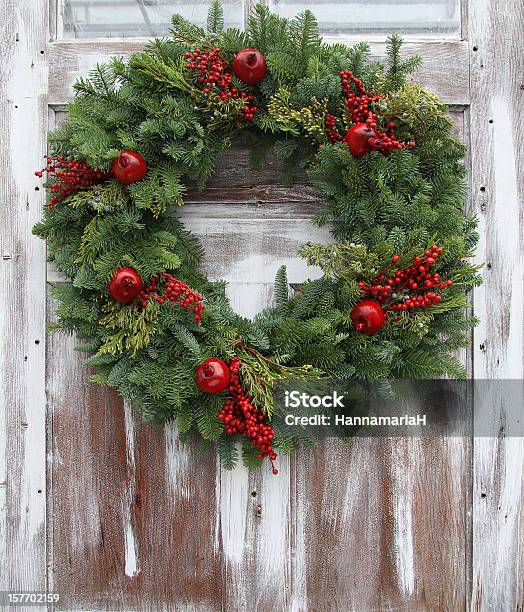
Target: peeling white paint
509	511
85	512
130	555
273	538
22	308
233	534
401	495
232	491
245	298
263	245
131	568
177	459
509	234
299	560
497	157
23	139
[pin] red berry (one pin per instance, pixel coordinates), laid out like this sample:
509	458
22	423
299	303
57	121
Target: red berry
358	104
125	286
357	139
129	167
250	66
240	416
70	177
368	317
212	375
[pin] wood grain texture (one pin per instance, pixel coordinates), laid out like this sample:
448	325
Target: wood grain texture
23	127
496	30
445	69
389	531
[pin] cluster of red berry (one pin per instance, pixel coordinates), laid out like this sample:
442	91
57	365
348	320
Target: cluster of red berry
215	78
70	176
173	290
365	134
416	278
241	417
358	103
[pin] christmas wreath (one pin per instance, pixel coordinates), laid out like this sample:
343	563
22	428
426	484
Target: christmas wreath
392	299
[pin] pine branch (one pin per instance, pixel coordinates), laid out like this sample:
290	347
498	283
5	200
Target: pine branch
398	70
215	18
281	291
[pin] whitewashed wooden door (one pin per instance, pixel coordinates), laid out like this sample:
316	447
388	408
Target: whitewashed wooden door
119	516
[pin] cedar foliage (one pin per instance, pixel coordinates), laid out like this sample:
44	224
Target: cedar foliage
376	206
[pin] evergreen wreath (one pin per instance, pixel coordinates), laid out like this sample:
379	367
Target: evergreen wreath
392	299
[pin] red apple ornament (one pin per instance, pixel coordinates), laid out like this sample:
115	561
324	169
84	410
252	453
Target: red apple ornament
368	317
125	285
250	66
212	375
357	139
129	167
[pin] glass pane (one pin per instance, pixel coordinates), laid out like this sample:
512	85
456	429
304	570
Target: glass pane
436	17
128	18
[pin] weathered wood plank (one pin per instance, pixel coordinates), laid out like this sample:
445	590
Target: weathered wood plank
459	127
445	69
256	527
23	127
381	524
243	249
497	157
